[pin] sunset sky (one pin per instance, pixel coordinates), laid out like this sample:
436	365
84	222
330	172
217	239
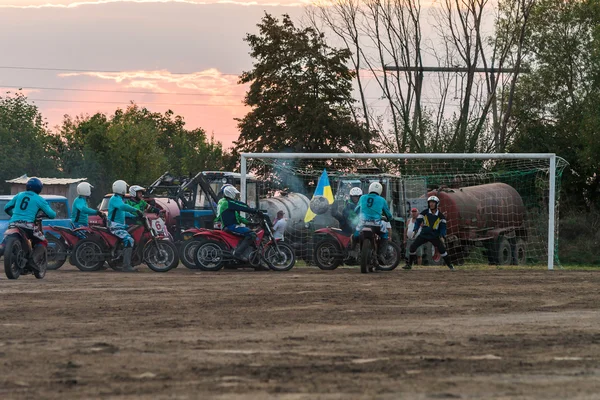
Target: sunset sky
183	55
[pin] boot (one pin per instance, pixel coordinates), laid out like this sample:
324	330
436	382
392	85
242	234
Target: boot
448	263
411	260
127	253
241	249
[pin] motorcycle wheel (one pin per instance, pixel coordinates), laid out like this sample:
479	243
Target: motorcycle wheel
391	258
209	256
284	260
87	255
187	253
366	249
56	251
327	255
41	264
14	257
161	255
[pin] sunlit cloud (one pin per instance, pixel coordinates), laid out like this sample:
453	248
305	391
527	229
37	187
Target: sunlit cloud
73	4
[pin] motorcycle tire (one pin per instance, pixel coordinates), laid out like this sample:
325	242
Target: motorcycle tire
41	265
392	258
282	261
165	248
366	250
327	255
14	257
187	253
57	252
88	255
209	256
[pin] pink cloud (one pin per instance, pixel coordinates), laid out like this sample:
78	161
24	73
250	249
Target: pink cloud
208	99
78	3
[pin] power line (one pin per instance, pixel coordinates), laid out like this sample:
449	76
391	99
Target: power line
141	102
119	91
91	70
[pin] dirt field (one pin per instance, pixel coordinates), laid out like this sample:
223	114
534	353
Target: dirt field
419	334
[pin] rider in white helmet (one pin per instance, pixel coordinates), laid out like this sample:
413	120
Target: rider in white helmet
349	218
117	212
135	200
433	230
370	208
228	213
81	211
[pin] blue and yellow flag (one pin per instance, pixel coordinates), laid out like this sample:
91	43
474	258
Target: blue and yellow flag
323	189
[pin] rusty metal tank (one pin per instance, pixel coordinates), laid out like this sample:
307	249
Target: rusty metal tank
481	212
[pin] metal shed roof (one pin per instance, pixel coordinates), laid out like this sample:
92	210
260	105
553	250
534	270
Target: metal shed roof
47	181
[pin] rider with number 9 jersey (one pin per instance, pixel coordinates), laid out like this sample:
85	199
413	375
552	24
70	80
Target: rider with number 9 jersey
25	206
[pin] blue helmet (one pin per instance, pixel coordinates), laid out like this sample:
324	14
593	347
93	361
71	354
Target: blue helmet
34	185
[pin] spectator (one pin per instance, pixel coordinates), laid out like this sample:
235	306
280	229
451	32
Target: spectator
410	226
279	225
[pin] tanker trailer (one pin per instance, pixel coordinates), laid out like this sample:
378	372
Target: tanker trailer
298	233
491	216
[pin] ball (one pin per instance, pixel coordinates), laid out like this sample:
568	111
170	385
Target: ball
319	205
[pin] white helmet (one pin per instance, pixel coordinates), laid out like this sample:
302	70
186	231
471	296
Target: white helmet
230	191
134	189
433	198
120	187
356	191
375	187
84	189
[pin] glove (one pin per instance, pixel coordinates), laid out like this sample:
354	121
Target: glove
139	213
99	213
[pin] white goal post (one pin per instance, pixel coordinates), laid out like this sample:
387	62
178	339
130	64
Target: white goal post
433	157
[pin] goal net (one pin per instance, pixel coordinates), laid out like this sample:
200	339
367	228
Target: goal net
500	208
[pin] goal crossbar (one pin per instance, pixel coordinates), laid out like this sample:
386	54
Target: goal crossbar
551	157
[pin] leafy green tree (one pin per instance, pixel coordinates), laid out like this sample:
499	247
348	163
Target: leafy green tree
558	103
24	139
300	93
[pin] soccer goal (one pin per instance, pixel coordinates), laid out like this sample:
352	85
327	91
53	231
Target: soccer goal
501	208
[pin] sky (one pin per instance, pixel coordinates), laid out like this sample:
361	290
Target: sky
179	55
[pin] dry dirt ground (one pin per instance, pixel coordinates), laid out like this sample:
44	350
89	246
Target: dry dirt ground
304	334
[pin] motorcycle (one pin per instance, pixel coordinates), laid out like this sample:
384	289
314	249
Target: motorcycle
369	241
19	255
153	246
215	249
61	242
334	250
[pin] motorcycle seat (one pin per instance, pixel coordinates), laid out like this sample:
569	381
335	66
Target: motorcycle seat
233	233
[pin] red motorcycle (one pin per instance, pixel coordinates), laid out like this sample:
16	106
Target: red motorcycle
153	246
215	249
334	249
187	249
20	258
61	242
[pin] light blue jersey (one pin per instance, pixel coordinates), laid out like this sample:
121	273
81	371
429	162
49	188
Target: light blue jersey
118	210
81	211
371	206
25	206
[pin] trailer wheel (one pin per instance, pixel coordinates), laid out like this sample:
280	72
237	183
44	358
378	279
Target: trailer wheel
503	251
519	252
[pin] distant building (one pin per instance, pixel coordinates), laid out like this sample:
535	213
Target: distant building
58	186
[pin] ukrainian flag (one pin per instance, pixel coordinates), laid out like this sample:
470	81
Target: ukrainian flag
323	189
